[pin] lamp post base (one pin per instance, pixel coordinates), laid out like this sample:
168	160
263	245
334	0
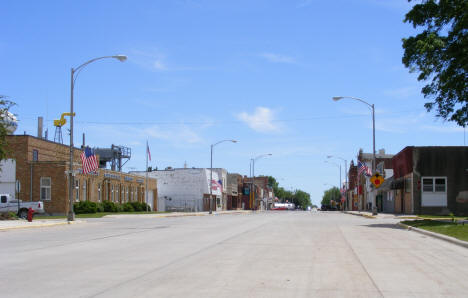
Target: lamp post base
71	216
374	210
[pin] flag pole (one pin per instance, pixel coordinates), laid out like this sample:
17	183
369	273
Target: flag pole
146	180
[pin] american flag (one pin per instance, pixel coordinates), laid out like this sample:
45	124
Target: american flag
148	151
89	161
364	169
217	185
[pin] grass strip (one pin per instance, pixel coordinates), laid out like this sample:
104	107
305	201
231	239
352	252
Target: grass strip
441	217
451	229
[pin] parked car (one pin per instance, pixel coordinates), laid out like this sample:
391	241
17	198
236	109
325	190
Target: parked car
9	204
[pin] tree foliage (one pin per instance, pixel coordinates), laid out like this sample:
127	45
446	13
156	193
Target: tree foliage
298	197
331	194
5	105
440	54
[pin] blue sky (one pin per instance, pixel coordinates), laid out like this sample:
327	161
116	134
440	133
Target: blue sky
260	72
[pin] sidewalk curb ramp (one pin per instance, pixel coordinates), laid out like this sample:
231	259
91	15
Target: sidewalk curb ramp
360	214
41	225
435	235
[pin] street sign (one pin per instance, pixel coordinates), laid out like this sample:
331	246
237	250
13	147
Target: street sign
18	186
377	180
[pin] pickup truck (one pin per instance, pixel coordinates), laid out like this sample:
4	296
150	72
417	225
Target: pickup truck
9	204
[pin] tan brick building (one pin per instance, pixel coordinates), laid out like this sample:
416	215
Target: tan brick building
41	168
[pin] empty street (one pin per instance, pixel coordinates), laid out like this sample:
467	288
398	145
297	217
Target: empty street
265	254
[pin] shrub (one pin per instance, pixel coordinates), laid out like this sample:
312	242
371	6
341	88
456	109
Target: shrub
109	206
85	207
137	206
99	207
127	207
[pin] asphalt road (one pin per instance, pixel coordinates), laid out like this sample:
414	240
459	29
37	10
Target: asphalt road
274	254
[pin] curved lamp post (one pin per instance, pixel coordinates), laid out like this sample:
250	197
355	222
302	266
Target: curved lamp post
252	168
74	74
211	171
337	98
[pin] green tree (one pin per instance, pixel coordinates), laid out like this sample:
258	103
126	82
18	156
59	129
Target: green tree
331	194
273	183
5	106
440	54
302	198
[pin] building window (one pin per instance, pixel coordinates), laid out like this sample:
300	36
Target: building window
35	155
77	190
45	188
126	194
99	192
440	184
84	190
112	193
117	197
434	184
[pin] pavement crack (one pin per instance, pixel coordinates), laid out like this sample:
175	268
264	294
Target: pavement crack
178	260
360	263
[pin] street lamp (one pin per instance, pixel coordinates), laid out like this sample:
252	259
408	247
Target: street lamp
211	171
346	172
252	162
339	166
74	74
337	98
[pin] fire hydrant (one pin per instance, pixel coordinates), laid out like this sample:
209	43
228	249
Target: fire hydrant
30	214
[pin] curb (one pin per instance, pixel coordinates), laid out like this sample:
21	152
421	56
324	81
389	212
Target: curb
177	215
360	214
435	235
41	225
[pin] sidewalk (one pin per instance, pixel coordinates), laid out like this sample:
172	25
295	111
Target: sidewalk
381	215
23	224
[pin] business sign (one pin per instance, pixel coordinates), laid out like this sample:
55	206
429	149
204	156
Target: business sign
377	180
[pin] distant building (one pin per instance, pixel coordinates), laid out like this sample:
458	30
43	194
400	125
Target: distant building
365	191
185	189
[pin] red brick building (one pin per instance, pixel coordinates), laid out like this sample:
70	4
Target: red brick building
42	167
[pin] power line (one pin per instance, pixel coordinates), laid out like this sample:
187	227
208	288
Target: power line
182	122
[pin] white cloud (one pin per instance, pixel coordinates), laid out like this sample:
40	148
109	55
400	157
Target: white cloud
159	64
276	58
403	92
442	129
153	59
262	120
304	3
179	135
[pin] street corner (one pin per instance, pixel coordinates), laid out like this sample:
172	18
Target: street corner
22	224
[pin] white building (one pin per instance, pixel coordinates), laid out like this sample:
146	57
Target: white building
222	174
186	189
8	177
380	167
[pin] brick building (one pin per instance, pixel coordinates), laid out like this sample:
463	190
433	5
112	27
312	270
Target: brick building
42	167
431	180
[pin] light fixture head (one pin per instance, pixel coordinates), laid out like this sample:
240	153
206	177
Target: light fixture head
336	98
329	156
121	58
234	141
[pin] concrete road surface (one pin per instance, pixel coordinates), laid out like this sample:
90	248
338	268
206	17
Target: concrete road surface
269	254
